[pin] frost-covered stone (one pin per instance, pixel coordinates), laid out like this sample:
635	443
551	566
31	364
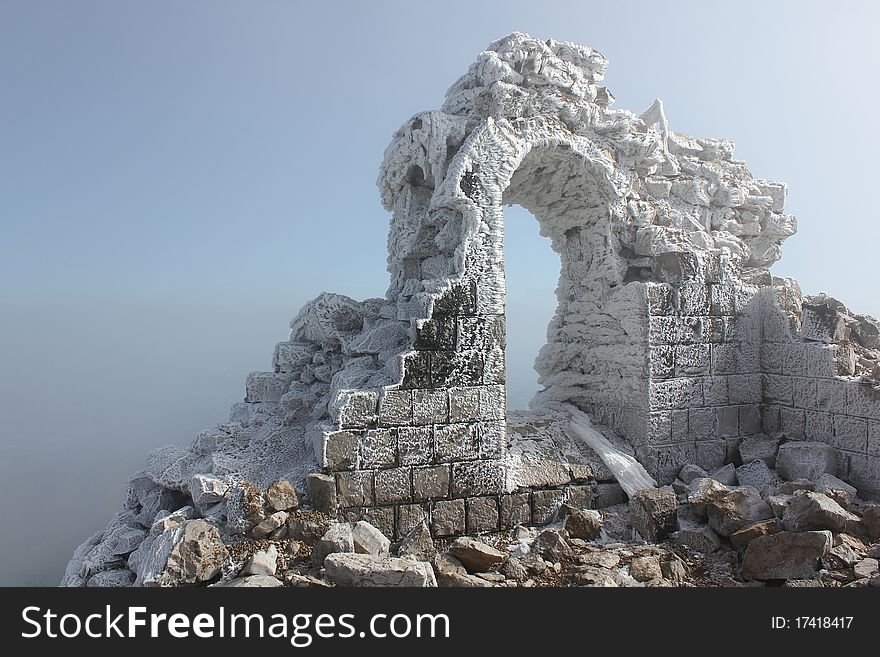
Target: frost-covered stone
282	496
189	553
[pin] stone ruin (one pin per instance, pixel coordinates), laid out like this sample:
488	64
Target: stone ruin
671	335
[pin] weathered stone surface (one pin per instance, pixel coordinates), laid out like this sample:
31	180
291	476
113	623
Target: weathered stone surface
809	510
262	562
322	493
251	581
690	472
282	496
866	568
418	544
644	569
367	539
761	447
583	524
475	555
552	545
785	555
757	475
730	511
448	569
112	578
838	490
370	570
805	460
871	521
742	537
701	491
189	553
726	475
652	513
207	490
700	538
245	507
270	524
338	538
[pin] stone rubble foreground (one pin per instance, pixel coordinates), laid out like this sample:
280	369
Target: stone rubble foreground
674	357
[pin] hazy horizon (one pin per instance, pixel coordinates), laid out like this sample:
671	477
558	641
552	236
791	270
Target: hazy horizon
177	179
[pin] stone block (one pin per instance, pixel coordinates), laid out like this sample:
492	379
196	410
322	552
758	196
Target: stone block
805	460
850	433
515	510
464	404
675	393
862	400
693	300
722	299
546	505
727	421
785	555
409	516
680	426
458	368
715	391
341	450
474	478
723	359
290	357
659	428
608	494
456	442
430	406
322	493
448	517
691	360
745	388
794	360
821	361
354	408
431	482
804	393
459	299
393	485
831	395
417	368
759	447
266	386
492	438
354	488
382	518
778	389
794	422
661	299
495	367
435	334
771	419
662	330
415	445
481	514
664	462
661	361
395	407
771	359
701	423
482	333
864	474
818	426
874	438
749	419
653	513
710	454
378	448
493	402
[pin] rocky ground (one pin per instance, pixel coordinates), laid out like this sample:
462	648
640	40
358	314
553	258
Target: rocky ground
792	524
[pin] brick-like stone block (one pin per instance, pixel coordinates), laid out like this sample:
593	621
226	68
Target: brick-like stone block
393	485
430	406
431	482
659	428
679	426
408	516
723	359
653	513
515	510
354	488
663	330
692	360
779	389
794	422
771	419
379	448
794	360
448	518
456	442
495	367
675	393
416	370
459	299
493	402
701	423
354	408
862	400
382	518
745	388
482	514
874	438
341	450
580	497
415	445
492	437
715	391
864	474
727	421
831	395
818	426
710	454
722	299
661	299
266	386
609	494
458	368
804	394
435	334
545	505
290	357
850	433
661	361
482	333
474	478
749	419
395	407
322	493
693	300
821	361
464	404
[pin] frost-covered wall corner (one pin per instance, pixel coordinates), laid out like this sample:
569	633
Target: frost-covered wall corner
670	331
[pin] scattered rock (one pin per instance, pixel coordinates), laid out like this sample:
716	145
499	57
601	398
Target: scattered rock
779	503
418	544
805	460
785	555
600	559
369	540
700	491
731	510
809	510
534	563
551	544
674	568
838	490
251	581
866	568
514	569
726	475
190	553
701	538
652	512
322	493
583	524
262	562
791	487
306	528
463	581
760	447
493	578
871	521
742	537
244	507
690	472
644	569
804	583
338	538
112	579
270	524
207	490
347	569
595	577
757	475
475	556
282	496
446	568
169	519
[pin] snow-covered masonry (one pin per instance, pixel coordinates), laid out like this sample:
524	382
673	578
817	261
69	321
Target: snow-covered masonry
670	331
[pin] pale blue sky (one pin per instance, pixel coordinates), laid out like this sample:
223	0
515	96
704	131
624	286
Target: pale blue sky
177	178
